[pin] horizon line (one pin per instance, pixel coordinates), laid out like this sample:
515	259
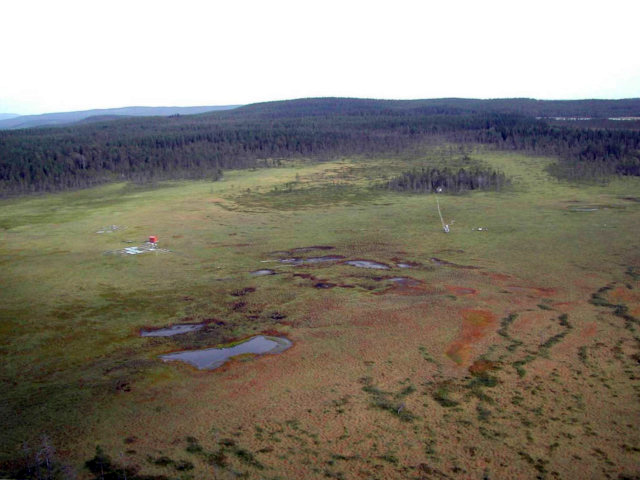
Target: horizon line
236	105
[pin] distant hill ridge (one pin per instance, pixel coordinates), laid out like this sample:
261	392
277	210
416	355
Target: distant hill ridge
448	106
11	122
305	107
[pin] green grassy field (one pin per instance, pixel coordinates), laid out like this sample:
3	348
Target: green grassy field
495	359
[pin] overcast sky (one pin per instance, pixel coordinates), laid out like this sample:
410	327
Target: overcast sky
61	55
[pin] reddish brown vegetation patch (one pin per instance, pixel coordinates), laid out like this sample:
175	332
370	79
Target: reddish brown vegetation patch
474	326
590	330
457	290
546	292
481	366
304	275
498	276
478	317
534	291
623	294
564	304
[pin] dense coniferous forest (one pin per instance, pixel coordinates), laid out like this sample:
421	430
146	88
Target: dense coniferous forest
200	146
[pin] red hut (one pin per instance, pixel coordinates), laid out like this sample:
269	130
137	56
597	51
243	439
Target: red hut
153	239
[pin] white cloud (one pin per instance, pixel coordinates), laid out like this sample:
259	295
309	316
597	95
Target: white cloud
68	55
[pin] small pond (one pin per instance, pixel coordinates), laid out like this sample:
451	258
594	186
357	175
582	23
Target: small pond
211	358
172	330
262	273
405	281
311	260
584	209
367	264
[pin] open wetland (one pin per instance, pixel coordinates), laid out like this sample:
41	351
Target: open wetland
372	346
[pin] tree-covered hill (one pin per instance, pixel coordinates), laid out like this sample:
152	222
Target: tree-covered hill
447	106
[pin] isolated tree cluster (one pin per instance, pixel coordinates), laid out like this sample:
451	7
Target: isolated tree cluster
429	180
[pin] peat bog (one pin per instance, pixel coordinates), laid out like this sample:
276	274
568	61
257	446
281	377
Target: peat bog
374	346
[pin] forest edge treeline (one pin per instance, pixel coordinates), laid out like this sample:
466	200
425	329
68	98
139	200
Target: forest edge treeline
201	146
